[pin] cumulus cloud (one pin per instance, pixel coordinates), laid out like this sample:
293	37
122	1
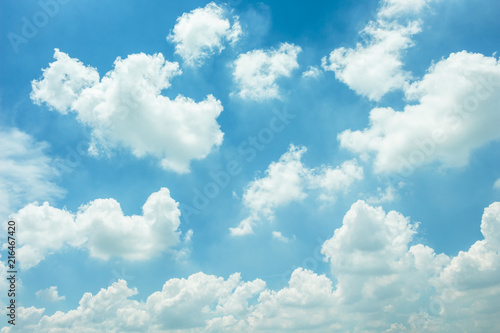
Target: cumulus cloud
203	296
257	71
456	112
63	82
375	266
100	227
42	230
204	31
496	185
468	289
288	180
50	294
374	68
126	108
26	172
381	282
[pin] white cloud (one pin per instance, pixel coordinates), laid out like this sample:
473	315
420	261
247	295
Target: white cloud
26	320
245	227
496	185
279	236
374	68
202	32
63	82
371	258
380	283
288	180
203	297
257	71
311	72
395	8
26	172
109	309
331	181
100	227
388	195
125	108
469	287
42	230
456	113
306	304
50	294
283	183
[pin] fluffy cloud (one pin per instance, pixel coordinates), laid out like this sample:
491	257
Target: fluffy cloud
100	227
256	72
126	108
375	267
381	283
63	82
457	112
26	172
496	185
374	68
288	180
203	32
312	72
204	297
50	294
42	230
468	289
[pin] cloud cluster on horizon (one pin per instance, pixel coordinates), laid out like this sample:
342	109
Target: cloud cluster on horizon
383	282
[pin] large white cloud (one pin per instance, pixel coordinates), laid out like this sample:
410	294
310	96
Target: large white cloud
26	172
257	71
380	283
203	32
375	67
100	227
468	289
377	270
125	108
43	229
456	112
289	180
204	297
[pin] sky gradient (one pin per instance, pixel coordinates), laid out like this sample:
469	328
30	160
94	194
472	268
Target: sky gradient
247	166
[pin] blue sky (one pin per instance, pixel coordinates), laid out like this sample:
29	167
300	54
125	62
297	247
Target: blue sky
337	155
